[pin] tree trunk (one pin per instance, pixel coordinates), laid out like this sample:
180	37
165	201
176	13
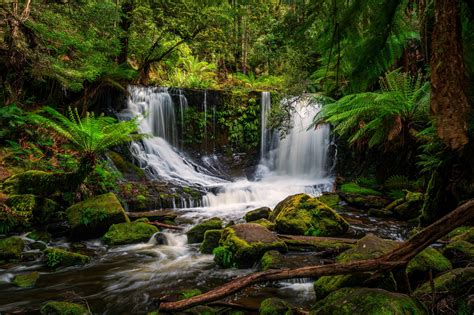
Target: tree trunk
398	258
449	103
125	23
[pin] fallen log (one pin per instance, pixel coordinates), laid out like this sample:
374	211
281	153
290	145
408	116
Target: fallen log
396	259
166	226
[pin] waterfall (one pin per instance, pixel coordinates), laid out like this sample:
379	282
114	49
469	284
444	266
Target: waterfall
158	155
265	133
183	106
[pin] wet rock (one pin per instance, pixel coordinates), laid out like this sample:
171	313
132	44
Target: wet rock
332	200
26	280
368	247
57	257
260	213
275	306
275	260
363	301
380	213
161	239
318	244
93	217
408	207
11	248
58	229
42	236
63	308
365	201
302	215
211	241
459	252
37	245
265	223
129	233
196	233
155	215
429	259
243	245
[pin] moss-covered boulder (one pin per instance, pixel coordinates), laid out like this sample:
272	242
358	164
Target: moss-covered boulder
129	233
266	224
196	233
459	252
429	259
275	260
368	247
363	301
242	245
260	213
36	209
467	235
455	286
364	201
332	200
11	248
303	215
93	217
211	241
31	182
408	207
26	280
63	308
275	306
57	257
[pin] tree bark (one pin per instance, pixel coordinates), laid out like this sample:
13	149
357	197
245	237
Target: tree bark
125	23
398	258
449	103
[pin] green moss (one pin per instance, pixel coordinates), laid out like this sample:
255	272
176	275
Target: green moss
63	308
260	213
455	281
26	280
93	217
142	220
186	294
461	249
56	257
265	223
129	233
467	236
429	259
196	233
223	256
332	200
275	306
458	231
353	188
270	259
37	210
125	167
302	215
211	241
39	236
11	248
363	301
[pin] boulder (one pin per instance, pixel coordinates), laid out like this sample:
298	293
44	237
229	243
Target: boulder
332	200
242	245
26	280
211	241
57	257
42	236
459	252
260	213
129	233
275	260
37	210
408	207
429	259
365	201
11	248
93	217
302	215
63	308
196	233
363	301
265	223
275	306
155	215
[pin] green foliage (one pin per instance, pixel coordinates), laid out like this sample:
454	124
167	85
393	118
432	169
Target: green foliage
192	73
354	188
391	116
223	256
103	179
12	120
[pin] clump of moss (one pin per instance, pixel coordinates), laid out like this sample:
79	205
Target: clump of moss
211	241
56	257
186	294
354	188
270	259
257	214
332	200
266	224
63	308
428	259
26	280
34	209
11	248
125	167
129	233
275	306
196	233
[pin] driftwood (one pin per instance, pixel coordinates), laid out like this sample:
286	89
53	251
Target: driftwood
396	259
166	226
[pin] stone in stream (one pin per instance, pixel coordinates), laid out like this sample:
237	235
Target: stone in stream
129	233
408	207
275	306
265	223
63	308
155	215
26	280
273	259
211	241
260	213
93	217
196	233
11	248
242	245
363	301
303	215
57	257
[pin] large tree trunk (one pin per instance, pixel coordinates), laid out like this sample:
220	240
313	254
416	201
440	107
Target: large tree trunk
125	23
449	103
396	259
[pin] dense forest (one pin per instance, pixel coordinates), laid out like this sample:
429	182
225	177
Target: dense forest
236	157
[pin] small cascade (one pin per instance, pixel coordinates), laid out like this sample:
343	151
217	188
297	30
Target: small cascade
183	106
204	107
265	133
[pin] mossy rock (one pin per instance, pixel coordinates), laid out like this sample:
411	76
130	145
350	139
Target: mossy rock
196	233
63	308
242	245
211	241
27	280
265	223
42	236
467	236
332	200
408	207
271	260
363	301
368	247
459	251
129	233
275	260
303	215
260	213
365	201
458	231
36	209
11	248
127	168
380	213
93	217
36	182
428	259
57	257
354	188
275	306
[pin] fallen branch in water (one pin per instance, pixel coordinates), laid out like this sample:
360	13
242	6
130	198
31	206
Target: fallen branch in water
396	259
166	226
